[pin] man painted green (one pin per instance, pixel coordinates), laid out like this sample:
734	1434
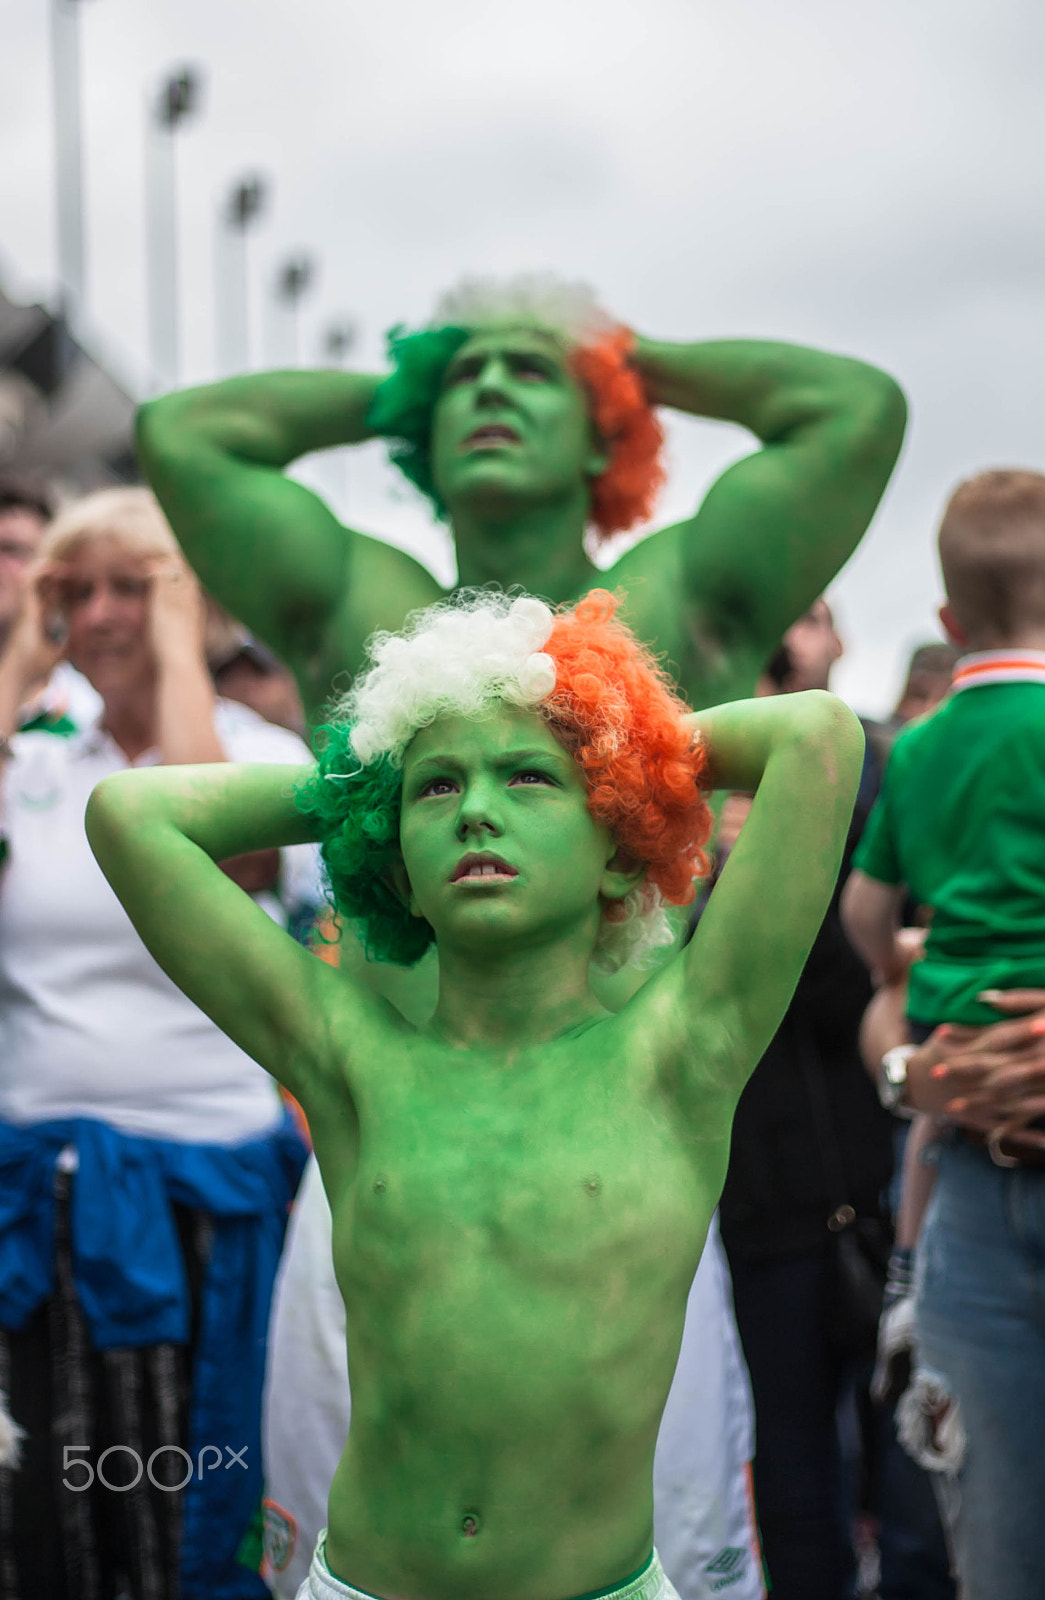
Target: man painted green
491	410
521	1187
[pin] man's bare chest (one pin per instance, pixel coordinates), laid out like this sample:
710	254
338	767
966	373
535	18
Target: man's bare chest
705	669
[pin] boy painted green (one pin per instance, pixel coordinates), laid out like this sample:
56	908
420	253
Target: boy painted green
521	1188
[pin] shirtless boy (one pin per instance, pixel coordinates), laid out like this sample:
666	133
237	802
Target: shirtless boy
522	1187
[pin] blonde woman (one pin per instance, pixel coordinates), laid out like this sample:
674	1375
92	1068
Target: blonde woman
146	1162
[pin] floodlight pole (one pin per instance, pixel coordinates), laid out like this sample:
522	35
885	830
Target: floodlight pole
245	203
338	340
294	278
178	98
65	72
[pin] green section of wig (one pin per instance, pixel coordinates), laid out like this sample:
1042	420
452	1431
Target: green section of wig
357	810
402	408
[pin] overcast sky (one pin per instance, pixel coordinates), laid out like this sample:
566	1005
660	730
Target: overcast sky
867	177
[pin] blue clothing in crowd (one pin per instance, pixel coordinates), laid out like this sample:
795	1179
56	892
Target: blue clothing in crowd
131	1284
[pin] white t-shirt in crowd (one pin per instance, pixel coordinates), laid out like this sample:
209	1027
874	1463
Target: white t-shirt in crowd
69	692
65	694
89	1025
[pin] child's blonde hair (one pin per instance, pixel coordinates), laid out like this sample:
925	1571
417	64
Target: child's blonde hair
992	552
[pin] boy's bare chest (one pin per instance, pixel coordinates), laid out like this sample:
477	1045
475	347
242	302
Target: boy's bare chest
540	1185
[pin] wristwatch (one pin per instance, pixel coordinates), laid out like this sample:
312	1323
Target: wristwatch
891	1079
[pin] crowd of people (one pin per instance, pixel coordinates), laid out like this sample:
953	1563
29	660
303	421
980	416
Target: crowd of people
673	1173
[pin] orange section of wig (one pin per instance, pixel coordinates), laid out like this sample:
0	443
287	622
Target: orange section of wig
624	419
618	714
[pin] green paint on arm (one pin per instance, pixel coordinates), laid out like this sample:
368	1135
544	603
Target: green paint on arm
265	546
778	525
802	756
158	835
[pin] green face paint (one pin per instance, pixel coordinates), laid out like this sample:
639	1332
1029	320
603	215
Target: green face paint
498	844
512	423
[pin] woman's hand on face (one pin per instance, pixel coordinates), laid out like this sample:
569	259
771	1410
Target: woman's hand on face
37	641
176	611
989	1079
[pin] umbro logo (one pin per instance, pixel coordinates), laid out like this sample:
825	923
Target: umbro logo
726	1568
727	1560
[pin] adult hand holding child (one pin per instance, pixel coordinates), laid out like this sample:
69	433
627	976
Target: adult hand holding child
992	1079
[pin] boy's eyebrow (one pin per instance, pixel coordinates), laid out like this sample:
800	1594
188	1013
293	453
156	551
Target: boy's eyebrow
505	758
532	753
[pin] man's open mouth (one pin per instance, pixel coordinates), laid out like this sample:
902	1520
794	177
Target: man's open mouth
490	435
482	867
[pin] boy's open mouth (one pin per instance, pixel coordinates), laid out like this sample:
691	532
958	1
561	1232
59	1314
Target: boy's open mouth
482	867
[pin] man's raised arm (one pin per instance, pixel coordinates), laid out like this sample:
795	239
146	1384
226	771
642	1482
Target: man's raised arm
777	526
265	546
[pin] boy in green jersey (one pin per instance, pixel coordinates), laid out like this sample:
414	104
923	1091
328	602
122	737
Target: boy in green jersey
520	1188
960	826
960	822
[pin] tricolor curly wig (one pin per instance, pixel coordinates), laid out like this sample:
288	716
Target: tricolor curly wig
602	694
624	494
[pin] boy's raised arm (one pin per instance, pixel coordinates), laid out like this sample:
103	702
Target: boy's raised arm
801	754
157	834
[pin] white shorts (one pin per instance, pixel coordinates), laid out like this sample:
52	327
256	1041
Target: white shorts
651	1583
704	1518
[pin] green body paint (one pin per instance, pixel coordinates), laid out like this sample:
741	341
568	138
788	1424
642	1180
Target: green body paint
503	787
520	1188
516	1223
511	426
712	594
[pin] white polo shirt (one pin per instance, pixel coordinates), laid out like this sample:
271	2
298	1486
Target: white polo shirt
89	1025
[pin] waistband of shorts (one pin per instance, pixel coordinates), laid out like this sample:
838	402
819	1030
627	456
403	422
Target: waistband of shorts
647	1584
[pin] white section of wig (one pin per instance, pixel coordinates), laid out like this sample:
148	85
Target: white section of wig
457	657
644	929
532	300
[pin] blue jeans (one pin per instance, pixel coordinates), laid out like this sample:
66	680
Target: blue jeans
981	1327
